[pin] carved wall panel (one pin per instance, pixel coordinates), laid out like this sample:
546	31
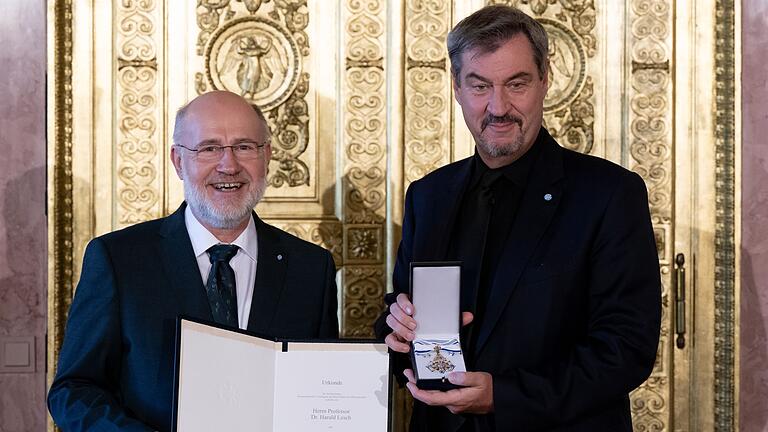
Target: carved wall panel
428	94
363	186
650	147
260	50
138	103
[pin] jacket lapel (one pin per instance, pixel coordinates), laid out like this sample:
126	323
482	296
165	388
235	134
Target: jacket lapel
181	268
443	213
270	275
533	217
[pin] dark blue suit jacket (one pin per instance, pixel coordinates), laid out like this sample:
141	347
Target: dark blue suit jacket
572	321
116	365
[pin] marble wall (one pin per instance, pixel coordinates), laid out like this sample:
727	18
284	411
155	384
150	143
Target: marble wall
754	199
23	255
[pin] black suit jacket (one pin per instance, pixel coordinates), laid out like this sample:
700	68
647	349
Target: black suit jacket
572	321
116	365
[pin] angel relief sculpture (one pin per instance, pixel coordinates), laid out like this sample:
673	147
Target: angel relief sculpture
257	63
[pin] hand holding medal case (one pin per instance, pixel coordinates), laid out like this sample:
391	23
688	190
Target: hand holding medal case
435	289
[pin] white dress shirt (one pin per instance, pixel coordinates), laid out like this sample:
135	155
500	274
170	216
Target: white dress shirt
243	263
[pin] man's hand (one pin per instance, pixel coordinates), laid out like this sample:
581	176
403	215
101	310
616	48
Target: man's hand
400	320
476	397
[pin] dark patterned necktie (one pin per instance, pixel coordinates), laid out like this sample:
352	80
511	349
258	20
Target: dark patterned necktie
220	287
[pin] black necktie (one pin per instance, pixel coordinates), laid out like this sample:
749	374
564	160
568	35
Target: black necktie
221	285
474	244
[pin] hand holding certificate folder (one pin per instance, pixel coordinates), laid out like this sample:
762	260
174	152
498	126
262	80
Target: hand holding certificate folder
233	380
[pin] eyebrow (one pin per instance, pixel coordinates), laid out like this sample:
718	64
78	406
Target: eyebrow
484	79
209	141
213	141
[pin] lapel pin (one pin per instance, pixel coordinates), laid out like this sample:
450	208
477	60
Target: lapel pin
279	257
547	197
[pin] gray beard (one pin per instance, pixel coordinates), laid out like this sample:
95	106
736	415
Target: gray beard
227	217
495	151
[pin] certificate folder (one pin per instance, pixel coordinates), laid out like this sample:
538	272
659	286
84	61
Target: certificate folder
232	380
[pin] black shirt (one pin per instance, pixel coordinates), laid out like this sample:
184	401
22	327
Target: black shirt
480	252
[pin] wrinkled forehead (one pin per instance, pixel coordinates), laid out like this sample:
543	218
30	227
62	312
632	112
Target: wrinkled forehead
224	123
512	54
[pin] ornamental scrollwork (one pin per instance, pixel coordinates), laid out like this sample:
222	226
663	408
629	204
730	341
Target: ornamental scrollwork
362	302
573	126
427	88
325	234
649	405
364	120
569	105
582	14
650	156
137	88
259	52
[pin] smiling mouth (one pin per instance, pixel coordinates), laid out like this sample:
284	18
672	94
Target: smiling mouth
226	187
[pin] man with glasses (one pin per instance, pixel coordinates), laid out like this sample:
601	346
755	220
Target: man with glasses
212	259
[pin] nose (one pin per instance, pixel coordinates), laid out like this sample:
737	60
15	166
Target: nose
498	104
228	163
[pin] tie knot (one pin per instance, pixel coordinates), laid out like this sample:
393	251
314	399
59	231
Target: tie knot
222	252
489	178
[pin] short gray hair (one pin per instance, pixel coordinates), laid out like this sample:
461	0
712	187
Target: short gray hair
181	114
488	28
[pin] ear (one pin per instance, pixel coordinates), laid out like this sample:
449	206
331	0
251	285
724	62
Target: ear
456	89
267	157
176	160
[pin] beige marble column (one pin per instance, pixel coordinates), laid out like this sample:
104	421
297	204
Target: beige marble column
754	252
22	214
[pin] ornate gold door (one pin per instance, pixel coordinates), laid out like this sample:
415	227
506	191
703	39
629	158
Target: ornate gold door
358	95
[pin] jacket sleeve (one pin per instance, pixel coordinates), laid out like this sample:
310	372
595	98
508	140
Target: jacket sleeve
85	391
400	361
618	350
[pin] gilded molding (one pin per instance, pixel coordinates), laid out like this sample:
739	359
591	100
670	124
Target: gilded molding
60	283
259	50
427	88
725	244
139	116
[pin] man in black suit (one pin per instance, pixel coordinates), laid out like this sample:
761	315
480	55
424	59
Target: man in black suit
117	362
560	282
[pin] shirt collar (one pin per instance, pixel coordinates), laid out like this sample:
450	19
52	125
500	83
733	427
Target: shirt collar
202	239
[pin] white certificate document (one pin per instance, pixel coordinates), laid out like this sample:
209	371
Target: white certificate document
228	380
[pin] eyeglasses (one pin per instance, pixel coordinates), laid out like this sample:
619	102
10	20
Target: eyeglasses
214	152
